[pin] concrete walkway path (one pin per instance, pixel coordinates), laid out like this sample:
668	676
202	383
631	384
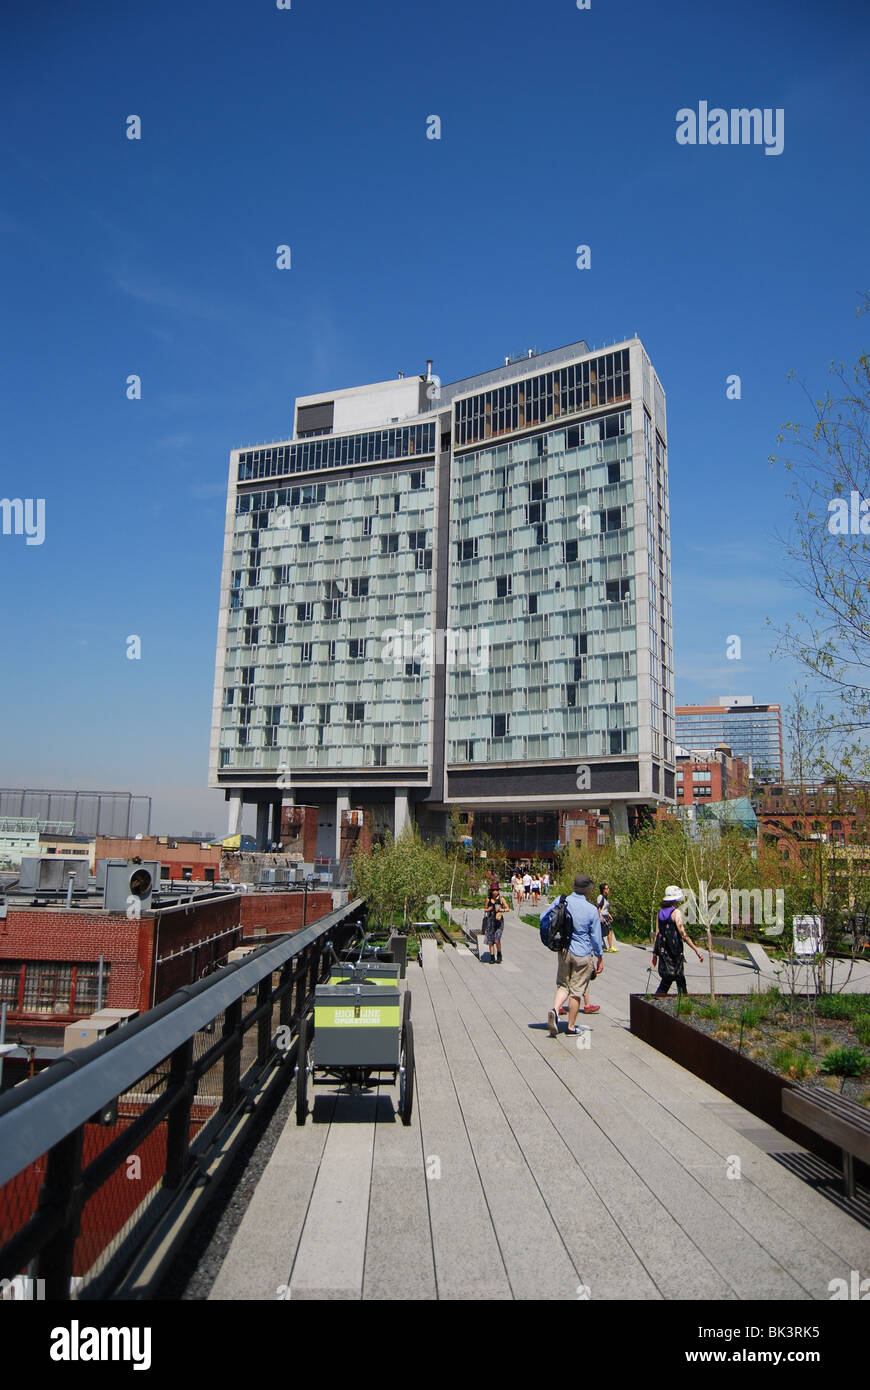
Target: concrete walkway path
540	1167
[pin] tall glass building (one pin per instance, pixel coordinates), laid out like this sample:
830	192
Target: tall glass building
753	731
452	596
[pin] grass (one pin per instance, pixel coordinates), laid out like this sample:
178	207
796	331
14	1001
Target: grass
791	1063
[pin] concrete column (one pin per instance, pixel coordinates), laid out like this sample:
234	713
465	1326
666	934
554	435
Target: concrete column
342	803
402	813
276	822
234	822
262	825
619	822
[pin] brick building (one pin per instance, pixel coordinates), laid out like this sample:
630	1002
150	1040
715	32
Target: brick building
709	776
179	859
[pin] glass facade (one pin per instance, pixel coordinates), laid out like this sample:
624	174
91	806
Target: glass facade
751	731
542	560
337	451
331	590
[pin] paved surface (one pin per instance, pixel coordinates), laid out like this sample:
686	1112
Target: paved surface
537	1168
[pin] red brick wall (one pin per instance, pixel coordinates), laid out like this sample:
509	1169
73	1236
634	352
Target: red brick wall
188	927
47	934
282	912
191	856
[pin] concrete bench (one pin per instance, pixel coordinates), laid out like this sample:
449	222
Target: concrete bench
840	1121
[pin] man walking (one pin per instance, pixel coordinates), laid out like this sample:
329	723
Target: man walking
584	958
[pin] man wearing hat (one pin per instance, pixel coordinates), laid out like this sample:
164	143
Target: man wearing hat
668	946
582	961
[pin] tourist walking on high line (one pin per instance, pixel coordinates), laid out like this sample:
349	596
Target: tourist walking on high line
668	946
493	923
517	883
584	959
603	906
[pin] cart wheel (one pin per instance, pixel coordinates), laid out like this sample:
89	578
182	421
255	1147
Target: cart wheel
406	1007
302	1064
406	1074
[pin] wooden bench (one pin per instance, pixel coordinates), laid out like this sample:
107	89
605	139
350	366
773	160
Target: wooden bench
833	1117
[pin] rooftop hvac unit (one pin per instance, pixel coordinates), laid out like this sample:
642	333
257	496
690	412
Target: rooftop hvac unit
50	873
267	875
127	880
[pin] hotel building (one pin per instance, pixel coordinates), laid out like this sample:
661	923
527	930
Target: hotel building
439	596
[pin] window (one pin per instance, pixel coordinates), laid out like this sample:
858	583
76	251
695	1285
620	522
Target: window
499	725
613	472
617	589
533	603
390	544
416	480
416	540
359	588
296	714
357	648
468	549
380	752
423	559
503	585
305	534
570	552
332	609
367	525
354	712
305	651
304	612
611	519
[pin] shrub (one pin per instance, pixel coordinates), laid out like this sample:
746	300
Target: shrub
846	1061
711	1010
862	1029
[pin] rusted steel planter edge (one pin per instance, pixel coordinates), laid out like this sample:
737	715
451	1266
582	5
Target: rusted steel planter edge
739	1078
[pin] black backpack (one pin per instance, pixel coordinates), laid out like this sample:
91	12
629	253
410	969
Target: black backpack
557	928
670	949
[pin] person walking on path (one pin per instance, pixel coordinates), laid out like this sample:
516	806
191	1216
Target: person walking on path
536	890
518	890
668	946
582	961
606	918
545	887
496	907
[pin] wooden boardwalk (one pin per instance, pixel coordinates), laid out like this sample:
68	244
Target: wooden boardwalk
537	1168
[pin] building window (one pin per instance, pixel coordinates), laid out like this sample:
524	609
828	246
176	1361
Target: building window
416	540
499	725
570	552
304	612
357	648
305	651
359	588
468	549
355	712
390	544
503	585
305	534
380	751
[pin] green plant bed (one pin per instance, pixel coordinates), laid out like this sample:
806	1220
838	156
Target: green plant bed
778	1032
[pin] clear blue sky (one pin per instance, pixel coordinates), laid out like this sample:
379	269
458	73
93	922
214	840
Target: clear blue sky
307	126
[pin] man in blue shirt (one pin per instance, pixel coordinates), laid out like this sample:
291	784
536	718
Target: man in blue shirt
583	960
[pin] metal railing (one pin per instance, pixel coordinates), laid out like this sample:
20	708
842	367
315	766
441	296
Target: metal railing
91	1214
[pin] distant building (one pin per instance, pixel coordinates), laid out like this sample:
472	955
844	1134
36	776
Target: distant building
752	731
89	813
710	776
185	860
791	814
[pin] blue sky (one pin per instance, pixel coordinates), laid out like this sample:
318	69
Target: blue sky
308	127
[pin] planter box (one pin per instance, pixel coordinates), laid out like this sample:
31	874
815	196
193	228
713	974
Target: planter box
738	1077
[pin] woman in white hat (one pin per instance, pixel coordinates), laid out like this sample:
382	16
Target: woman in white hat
668	947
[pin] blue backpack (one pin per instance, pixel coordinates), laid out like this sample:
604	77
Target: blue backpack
557	928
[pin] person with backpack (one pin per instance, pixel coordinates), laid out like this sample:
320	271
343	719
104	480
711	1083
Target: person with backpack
668	945
583	958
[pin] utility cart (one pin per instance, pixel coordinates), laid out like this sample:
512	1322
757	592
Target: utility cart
361	1030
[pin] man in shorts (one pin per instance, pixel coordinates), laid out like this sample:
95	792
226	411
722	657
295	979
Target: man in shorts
583	960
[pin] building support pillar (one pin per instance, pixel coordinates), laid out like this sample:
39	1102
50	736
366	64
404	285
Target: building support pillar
342	803
402	813
276	822
262	826
619	823
234	820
